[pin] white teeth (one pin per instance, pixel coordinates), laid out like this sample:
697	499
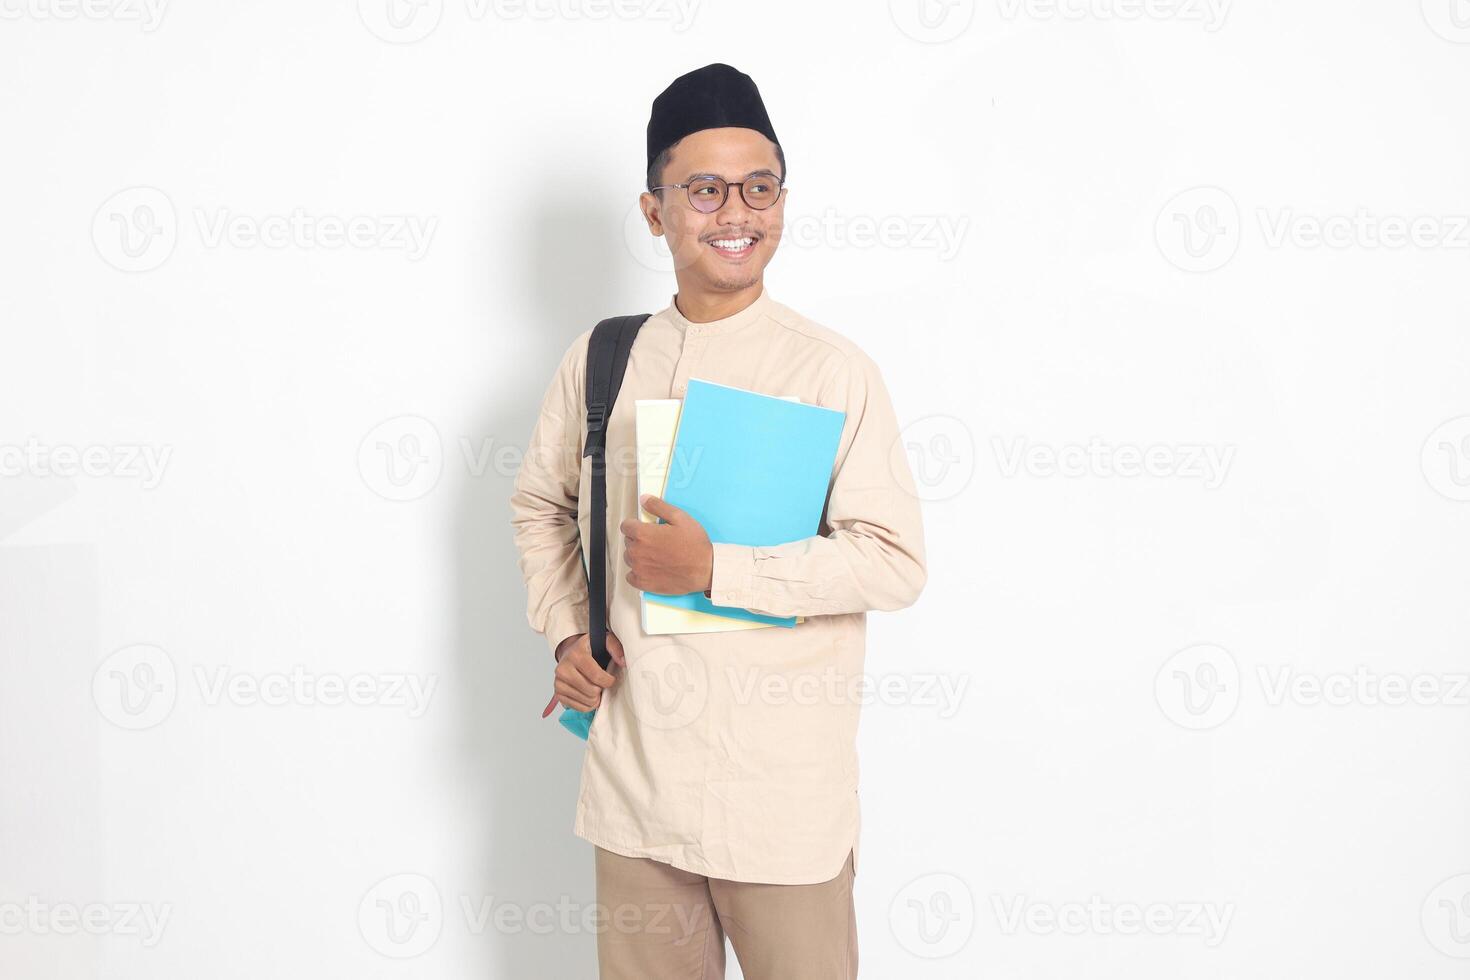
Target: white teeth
733	244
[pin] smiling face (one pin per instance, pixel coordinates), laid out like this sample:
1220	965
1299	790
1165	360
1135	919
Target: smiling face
727	250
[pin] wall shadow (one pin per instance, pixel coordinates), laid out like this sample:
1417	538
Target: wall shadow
521	772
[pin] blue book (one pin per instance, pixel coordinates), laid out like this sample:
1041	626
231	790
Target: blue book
753	469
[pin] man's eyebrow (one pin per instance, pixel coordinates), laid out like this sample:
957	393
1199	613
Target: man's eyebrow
711	173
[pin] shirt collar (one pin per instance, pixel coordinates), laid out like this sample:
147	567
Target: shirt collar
735	321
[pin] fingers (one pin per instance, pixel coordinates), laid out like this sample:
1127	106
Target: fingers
659	507
572	685
579	669
593	676
571	698
579	681
569	674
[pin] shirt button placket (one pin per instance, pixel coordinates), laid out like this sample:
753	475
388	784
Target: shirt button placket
694	344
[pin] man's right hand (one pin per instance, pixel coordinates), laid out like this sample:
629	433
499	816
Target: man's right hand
579	681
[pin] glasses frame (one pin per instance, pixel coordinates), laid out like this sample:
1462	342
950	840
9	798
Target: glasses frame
725	194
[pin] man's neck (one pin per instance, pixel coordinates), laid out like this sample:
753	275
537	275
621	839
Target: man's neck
701	306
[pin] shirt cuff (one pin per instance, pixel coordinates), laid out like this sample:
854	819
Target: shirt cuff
733	575
568	618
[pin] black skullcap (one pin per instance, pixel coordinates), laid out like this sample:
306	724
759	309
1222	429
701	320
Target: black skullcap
707	98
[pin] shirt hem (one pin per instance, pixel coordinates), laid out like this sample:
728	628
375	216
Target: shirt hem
703	868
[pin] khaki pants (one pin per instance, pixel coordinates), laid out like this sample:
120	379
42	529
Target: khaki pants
666	924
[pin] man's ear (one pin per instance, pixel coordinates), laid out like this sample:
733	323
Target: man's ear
649	205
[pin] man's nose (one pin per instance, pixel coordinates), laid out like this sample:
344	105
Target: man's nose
734	211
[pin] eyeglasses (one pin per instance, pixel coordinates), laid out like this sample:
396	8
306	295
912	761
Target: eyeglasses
707	193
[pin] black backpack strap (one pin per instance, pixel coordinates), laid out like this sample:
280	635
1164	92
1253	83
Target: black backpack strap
607	361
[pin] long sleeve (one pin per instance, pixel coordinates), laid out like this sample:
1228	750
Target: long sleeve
874	556
544	506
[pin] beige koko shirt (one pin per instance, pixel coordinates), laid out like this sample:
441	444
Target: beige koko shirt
732	754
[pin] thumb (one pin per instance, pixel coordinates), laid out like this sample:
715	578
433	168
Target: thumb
659	507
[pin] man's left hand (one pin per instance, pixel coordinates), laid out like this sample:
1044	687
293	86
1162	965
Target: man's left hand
672	558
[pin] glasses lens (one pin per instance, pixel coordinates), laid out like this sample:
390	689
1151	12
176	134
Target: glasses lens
706	194
761	191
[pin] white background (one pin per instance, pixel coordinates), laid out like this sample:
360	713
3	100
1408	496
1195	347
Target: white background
1106	229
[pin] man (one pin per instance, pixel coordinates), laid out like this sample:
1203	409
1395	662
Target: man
720	779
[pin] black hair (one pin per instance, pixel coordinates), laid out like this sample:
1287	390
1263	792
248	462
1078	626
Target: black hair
656	169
